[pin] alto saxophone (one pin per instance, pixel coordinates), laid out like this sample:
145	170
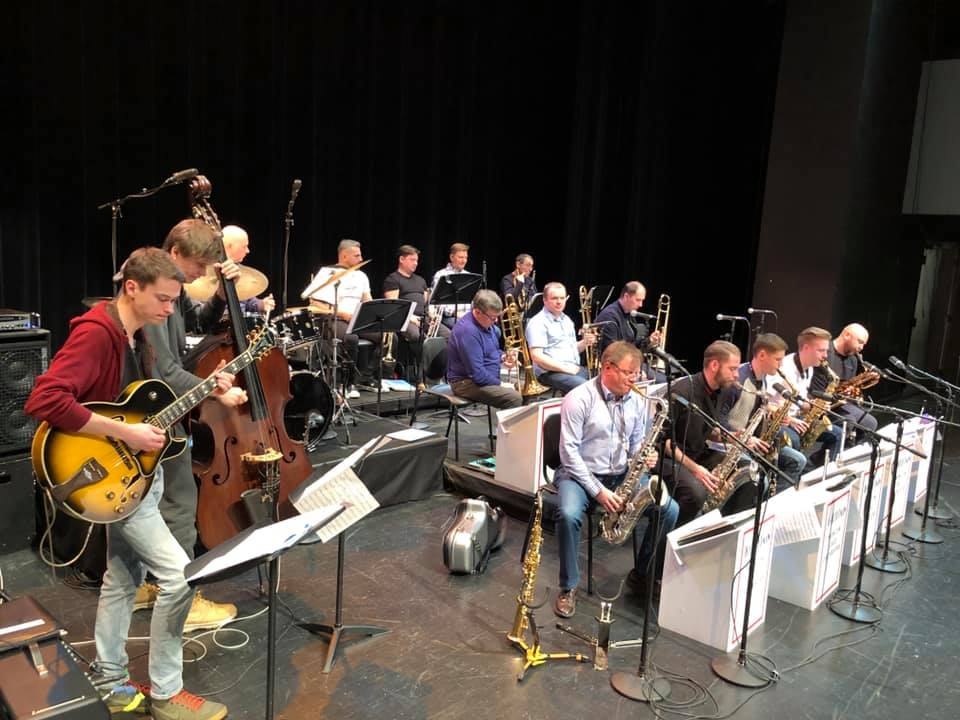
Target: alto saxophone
616	527
725	470
772	433
854	387
816	418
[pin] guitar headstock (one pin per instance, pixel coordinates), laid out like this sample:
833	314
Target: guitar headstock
260	341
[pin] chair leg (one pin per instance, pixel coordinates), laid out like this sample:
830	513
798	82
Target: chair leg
456	433
589	553
416	405
490	434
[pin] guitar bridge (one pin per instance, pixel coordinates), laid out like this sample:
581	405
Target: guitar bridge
90	473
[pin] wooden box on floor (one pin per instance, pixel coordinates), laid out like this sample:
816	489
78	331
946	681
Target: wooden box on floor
702	578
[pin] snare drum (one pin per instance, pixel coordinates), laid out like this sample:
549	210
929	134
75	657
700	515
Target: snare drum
297	327
308	414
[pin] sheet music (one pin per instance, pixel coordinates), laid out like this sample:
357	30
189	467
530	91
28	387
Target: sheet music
797	520
411	434
340	485
268	539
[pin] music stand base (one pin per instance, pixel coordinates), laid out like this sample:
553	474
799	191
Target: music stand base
336	633
888	564
927	535
935	513
735	673
856	610
640	687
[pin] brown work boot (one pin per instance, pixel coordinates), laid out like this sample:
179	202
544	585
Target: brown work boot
187	706
566	604
208	615
146	596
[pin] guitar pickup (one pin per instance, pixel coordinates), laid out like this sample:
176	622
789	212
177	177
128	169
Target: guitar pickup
90	473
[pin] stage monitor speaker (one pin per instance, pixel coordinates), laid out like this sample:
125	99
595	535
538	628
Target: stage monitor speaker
23	355
16	511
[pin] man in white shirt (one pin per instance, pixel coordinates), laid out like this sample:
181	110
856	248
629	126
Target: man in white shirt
553	343
798	368
459	254
347	294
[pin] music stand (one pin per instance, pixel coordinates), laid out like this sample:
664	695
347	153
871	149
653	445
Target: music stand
455	288
386	315
263	542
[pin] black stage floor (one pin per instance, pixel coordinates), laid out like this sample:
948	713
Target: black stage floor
446	655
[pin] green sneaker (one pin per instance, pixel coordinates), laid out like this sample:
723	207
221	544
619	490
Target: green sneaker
187	706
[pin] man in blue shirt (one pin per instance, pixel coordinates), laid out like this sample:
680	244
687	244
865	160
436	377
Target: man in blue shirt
602	426
474	356
553	344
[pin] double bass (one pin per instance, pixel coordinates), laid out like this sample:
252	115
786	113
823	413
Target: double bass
246	462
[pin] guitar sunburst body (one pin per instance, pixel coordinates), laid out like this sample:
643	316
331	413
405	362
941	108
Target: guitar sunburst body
102	480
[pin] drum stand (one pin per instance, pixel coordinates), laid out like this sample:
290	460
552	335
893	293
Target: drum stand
339	396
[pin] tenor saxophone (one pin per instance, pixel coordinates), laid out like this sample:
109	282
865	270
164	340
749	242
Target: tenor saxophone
636	496
726	469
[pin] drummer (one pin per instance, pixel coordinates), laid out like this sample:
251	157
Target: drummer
352	289
236	243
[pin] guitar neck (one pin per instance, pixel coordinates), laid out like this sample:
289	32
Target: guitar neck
190	399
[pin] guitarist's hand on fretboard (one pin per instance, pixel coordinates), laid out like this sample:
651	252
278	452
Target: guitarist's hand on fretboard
144	437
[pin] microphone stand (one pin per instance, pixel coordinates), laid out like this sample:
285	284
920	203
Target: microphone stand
883	562
934	510
644	685
287	224
736	671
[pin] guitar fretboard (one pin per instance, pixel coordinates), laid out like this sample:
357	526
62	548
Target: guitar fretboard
190	399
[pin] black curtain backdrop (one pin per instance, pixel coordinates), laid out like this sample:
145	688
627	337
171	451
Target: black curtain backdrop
612	140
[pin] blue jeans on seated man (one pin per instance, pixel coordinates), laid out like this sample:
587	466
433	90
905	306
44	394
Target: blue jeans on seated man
574	504
829	442
136	544
791	462
564	382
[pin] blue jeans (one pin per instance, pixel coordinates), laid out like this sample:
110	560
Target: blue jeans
136	544
792	462
573	505
564	382
829	440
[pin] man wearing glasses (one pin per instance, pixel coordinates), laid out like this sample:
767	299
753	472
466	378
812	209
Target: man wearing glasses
474	356
602	426
553	344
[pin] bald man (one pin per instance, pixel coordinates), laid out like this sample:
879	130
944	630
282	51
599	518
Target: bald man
844	358
236	243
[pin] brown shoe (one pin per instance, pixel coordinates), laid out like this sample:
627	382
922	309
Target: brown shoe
146	596
566	604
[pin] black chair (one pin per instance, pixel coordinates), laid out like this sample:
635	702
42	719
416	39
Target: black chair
551	462
434	363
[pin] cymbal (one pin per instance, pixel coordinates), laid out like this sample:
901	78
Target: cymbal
249	284
336	275
91	301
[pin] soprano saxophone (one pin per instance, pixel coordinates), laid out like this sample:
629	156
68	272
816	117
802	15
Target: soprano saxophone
634	495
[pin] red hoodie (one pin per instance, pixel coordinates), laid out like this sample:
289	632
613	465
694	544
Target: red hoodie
88	367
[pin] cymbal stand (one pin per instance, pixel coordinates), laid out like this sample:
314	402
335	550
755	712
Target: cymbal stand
339	395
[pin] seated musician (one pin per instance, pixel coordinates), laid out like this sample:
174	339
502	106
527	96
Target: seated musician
798	368
619	323
602	426
845	360
236	243
756	378
459	254
353	289
474	356
553	343
520	283
405	284
688	475
105	351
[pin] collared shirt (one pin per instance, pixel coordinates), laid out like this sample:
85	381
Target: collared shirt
738	406
620	326
555	335
689	428
599	433
473	352
799	377
509	286
349	293
449	309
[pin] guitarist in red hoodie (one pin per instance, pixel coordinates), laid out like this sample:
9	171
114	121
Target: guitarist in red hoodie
106	351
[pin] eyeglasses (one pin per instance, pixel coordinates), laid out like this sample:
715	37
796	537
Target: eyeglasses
629	374
492	318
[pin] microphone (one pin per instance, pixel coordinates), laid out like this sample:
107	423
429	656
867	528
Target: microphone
682	400
783	390
731	318
898	363
295	190
760	311
179	177
636	314
667	358
484	272
820	395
